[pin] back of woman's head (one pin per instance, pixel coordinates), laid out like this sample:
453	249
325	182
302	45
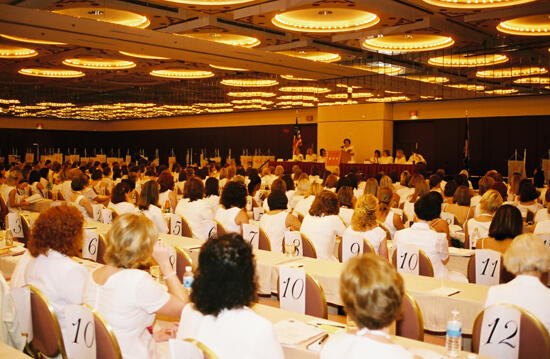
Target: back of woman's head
254	184
514	183
372	291
119	192
59	228
386	181
527	253
385	195
331	181
34	176
288	181
79	182
212	187
277	200
462	196
501	188
345	197
527	191
130	241
194	189
314	189
420	189
325	204
450	188
490	201
506	224
149	195
302	187
233	195
371	186
428	207
225	277
166	181
484	184
364	214
278	185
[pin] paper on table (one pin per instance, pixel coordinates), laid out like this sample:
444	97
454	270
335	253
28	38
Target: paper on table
444	291
292	332
34	198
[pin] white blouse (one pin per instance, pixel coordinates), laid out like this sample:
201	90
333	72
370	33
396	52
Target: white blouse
351	346
375	236
198	215
232	334
303	205
542	215
322	232
155	215
274	226
123	207
128	301
346	214
227	219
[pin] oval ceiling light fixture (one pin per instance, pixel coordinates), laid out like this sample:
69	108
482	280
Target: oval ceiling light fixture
305	89
361	94
389	99
339	103
142	56
99	63
319	56
325	20
512	72
51	73
225	38
227	68
15	52
464	60
501	91
537	25
114	16
429	79
295	78
298	98
337	95
468	87
31	41
182	74
533	80
249	82
407	43
476	4
384	69
250	94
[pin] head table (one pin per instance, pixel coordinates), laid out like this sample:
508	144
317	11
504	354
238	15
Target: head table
368	169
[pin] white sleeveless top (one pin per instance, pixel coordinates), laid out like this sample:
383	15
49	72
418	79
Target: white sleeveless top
163	197
388	222
375	236
477	230
6	194
274	226
227	219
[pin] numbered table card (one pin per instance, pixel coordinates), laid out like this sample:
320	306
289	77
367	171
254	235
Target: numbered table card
488	264
15	226
251	234
448	217
173	258
407	259
80	327
258	212
213	228
90	245
352	246
176	224
293	239
292	289
106	216
500	331
96	208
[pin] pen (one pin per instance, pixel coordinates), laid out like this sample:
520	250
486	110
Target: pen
322	340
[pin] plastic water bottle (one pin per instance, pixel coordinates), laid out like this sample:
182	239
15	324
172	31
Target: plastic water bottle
453	340
188	279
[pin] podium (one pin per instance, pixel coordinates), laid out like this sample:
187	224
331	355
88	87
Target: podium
345	157
515	166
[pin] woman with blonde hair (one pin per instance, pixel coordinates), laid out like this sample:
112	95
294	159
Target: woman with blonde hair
478	227
302	206
365	225
127	297
300	193
371	187
384	213
528	258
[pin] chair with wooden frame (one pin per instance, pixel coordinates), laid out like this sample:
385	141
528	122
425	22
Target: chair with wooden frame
106	343
60	196
26	230
367	248
264	242
3	209
411	323
186	228
505	275
101	247
47	338
182	260
425	264
534	340
220	229
206	352
308	249
316	301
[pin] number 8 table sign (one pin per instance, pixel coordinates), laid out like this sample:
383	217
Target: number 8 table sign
500	332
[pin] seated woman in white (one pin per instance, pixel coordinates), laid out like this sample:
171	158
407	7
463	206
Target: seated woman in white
14	182
400	157
322	155
277	185
322	224
346	201
302	206
300	193
35	186
528	259
225	323
528	196
121	201
168	198
129	298
278	220
196	211
364	224
386	158
78	199
212	194
385	214
420	188
233	214
372	292
478	227
57	236
148	205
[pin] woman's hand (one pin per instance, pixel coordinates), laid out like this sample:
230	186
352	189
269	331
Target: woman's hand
166	333
161	254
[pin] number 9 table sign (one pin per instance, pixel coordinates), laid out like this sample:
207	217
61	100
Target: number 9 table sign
352	246
500	332
292	289
90	245
80	339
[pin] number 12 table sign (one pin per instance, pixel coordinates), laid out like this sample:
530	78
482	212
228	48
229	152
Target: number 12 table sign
500	332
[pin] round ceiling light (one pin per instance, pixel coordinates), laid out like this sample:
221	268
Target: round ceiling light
501	91
15	52
468	87
385	69
225	38
142	56
476	4
320	56
429	79
51	73
512	72
533	80
250	94
182	74
295	78
98	63
249	82
306	89
32	41
463	60
228	68
325	20
115	16
408	43
537	25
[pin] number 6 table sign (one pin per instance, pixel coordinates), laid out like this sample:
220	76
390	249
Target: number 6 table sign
90	245
352	246
500	332
407	259
292	289
80	329
487	267
15	225
251	235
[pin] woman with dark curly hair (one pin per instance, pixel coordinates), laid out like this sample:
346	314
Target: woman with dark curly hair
233	214
322	224
223	289
56	236
167	196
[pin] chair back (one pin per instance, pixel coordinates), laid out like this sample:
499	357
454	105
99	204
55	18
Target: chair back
190	348
106	343
101	247
3	208
411	323
182	260
264	243
425	264
534	340
316	302
220	229
186	228
505	275
26	230
308	249
206	352
47	338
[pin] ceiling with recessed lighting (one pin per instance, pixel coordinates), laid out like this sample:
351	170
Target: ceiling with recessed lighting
128	59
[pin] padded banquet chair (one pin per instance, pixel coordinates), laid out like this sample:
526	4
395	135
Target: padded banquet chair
106	343
411	323
505	276
316	302
308	249
265	243
182	260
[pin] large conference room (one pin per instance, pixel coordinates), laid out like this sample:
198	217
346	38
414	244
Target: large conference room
273	179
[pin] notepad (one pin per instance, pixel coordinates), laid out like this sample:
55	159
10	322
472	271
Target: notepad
292	332
444	291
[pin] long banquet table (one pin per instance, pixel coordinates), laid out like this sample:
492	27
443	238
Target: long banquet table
369	170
